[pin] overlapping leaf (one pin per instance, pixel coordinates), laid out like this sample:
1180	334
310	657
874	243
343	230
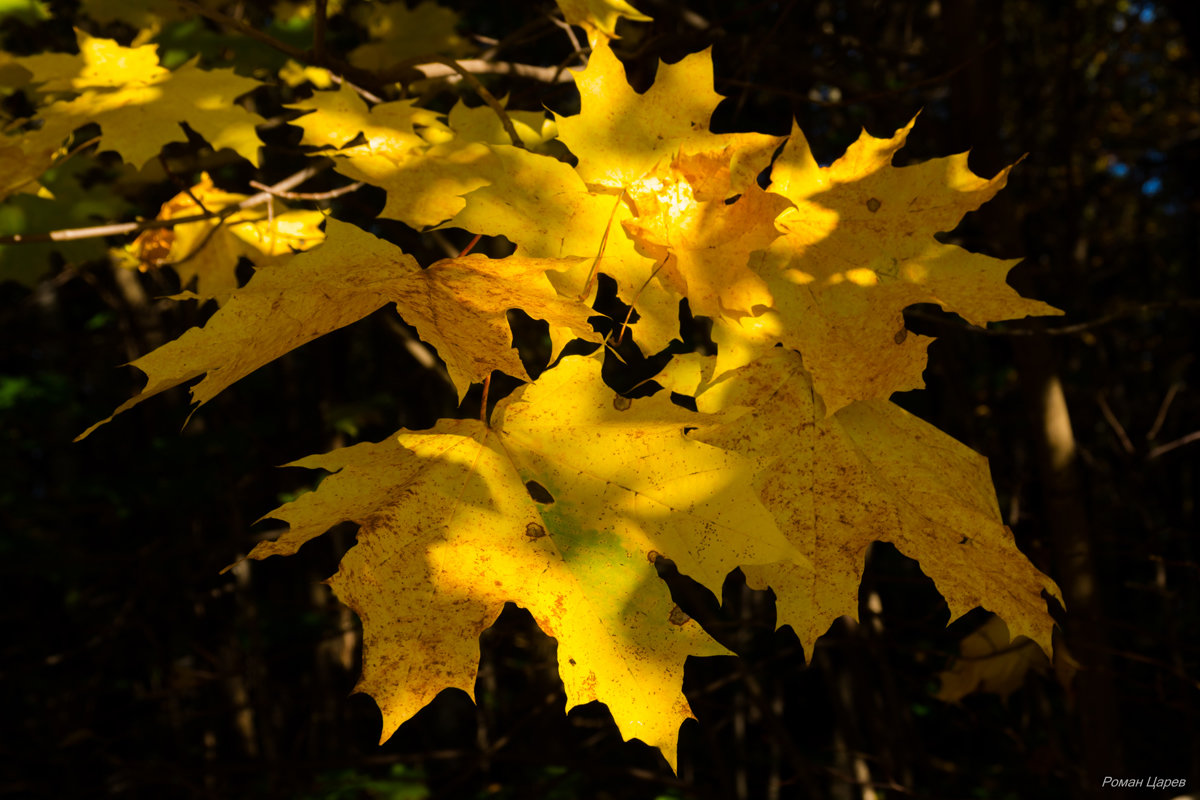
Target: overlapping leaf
423	180
543	207
278	310
457	305
859	247
599	17
871	472
208	251
138	104
398	32
451	530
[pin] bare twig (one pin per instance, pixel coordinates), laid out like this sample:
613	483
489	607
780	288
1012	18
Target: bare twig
181	183
1114	423
480	66
487	96
1194	436
311	57
1162	411
226	21
570	33
309	196
1066	330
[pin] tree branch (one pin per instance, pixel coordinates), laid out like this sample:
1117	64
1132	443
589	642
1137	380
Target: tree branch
1066	330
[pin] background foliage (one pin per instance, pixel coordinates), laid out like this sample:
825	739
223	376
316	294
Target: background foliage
133	669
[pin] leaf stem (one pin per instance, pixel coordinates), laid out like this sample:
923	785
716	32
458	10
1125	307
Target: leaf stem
487	382
484	94
587	286
633	302
470	245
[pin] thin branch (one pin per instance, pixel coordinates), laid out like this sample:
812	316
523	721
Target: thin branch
1152	434
1066	330
487	97
570	33
226	21
310	196
1194	436
181	183
118	228
310	57
662	262
480	66
1114	423
587	285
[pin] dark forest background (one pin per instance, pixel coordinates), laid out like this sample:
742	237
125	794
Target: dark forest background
131	668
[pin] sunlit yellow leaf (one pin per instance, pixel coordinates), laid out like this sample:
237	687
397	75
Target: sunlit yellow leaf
139	105
335	284
620	135
858	248
450	531
599	16
424	180
872	472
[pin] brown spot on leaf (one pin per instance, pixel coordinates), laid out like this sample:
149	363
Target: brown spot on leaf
873	204
678	616
900	336
653	556
571	661
534	531
539	493
621	403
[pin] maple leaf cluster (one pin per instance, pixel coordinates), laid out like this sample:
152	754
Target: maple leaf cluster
794	463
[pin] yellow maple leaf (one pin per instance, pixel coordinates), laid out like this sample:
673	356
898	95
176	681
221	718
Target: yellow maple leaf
702	230
423	179
989	661
208	251
25	157
139	105
481	124
459	306
872	472
620	135
542	206
693	243
858	247
101	64
599	16
398	32
320	291
450	530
